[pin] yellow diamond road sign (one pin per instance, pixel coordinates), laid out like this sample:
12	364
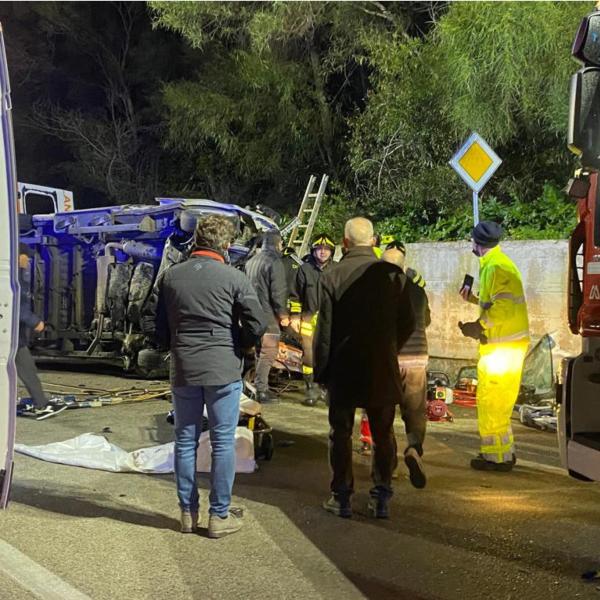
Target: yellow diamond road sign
475	162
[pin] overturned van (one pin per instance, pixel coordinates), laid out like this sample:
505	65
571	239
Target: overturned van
93	272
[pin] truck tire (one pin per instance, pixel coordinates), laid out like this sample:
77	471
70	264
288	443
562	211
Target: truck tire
152	363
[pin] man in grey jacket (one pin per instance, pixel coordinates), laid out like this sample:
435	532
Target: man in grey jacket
207	312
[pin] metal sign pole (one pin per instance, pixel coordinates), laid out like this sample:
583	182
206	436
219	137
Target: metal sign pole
475	208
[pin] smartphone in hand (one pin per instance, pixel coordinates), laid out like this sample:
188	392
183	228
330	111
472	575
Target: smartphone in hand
467	283
465	290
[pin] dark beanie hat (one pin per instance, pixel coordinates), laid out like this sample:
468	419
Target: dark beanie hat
25	249
487	234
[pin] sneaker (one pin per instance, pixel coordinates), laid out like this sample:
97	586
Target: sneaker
50	410
219	527
189	521
25	406
378	507
414	464
481	464
340	507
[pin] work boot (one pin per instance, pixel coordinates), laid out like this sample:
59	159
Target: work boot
339	506
414	463
266	398
219	527
311	394
479	463
189	521
378	506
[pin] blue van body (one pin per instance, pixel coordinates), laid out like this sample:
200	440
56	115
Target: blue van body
93	271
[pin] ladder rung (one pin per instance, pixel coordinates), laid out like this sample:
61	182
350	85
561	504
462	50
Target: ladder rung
303	225
308	210
312	195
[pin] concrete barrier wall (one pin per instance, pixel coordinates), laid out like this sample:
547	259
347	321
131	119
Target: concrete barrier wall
543	265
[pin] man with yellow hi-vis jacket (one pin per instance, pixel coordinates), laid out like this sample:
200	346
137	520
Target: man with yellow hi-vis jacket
304	305
503	332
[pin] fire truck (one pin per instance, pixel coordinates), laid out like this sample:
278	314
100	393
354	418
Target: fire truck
579	393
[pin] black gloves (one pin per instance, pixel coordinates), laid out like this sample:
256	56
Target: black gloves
473	329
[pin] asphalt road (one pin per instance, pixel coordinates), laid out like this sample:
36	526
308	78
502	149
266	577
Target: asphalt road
468	536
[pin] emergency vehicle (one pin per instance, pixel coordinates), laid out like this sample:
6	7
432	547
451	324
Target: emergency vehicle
579	393
42	200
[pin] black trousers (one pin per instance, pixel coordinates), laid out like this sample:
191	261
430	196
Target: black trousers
28	374
341	421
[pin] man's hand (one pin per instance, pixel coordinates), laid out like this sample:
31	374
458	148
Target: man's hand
295	324
39	327
467	295
473	329
284	322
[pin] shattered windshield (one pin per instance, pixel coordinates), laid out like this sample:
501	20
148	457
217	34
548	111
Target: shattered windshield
538	372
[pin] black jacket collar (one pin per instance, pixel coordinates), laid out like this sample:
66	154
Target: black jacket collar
360	251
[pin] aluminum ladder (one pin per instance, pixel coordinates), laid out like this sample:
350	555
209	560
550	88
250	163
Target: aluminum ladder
304	223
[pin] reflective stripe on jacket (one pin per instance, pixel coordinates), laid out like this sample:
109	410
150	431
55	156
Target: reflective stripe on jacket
502	299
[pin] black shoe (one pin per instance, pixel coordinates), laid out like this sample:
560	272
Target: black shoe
311	396
378	507
310	401
415	468
481	464
338	506
266	398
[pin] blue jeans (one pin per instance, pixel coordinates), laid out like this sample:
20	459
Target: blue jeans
223	408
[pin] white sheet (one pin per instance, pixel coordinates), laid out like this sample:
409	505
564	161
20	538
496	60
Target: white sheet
96	452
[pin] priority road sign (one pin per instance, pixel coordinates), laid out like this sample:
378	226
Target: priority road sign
475	162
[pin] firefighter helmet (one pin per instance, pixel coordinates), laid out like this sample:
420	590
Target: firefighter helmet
322	240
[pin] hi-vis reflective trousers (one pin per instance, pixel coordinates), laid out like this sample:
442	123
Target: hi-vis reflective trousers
307	329
498	380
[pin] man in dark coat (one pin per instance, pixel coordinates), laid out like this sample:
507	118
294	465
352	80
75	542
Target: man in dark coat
267	274
412	360
365	316
207	311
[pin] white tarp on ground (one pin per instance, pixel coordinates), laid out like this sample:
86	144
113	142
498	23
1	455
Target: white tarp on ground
96	452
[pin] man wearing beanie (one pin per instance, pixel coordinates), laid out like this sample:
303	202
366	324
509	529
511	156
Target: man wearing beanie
502	330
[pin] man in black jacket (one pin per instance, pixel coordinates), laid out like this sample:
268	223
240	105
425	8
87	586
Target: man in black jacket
29	322
365	317
267	274
207	311
304	302
412	359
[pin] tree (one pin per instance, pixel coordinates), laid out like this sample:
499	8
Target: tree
88	98
500	68
272	100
